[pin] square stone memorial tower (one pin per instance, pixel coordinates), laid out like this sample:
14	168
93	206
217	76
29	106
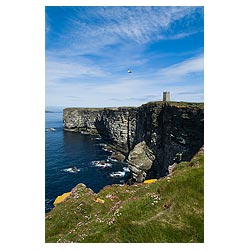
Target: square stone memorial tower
166	96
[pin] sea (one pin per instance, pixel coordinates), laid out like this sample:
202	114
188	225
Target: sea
72	158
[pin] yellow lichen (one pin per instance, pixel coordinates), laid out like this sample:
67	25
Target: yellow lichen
99	200
150	181
61	198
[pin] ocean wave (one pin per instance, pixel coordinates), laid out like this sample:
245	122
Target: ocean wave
48	205
112	159
107	150
48	201
101	164
50	129
126	169
71	170
118	174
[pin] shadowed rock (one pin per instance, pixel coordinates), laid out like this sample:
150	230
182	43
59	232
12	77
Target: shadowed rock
140	160
170	131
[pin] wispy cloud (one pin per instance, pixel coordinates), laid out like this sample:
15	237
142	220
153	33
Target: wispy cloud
183	69
138	88
72	97
190	92
88	51
133	23
137	99
92	29
58	69
182	35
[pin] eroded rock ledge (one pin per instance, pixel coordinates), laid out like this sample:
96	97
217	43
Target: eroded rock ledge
153	136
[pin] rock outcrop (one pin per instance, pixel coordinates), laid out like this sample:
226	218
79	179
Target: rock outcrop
153	136
173	131
140	160
136	213
115	125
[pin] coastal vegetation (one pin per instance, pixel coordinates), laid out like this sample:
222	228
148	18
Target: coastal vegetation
154	103
199	105
170	209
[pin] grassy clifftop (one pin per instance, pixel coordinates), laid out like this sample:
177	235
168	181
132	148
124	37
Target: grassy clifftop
168	210
171	103
199	105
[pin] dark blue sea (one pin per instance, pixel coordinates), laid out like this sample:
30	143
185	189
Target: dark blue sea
65	150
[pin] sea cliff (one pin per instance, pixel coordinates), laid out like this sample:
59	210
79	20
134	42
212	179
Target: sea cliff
152	137
170	209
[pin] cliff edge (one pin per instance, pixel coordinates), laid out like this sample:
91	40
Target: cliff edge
152	137
170	209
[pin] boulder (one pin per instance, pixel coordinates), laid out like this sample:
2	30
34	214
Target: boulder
140	160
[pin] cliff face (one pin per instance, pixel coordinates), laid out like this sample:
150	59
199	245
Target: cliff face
115	125
174	133
153	136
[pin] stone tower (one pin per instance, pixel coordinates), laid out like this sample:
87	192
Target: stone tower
166	96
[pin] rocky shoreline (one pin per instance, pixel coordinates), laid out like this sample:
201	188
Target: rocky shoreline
151	137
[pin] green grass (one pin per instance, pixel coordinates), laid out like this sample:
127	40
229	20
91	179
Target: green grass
99	109
199	105
169	210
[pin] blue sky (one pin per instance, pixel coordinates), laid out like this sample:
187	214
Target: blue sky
89	49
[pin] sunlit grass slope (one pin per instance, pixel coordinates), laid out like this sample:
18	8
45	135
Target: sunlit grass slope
168	210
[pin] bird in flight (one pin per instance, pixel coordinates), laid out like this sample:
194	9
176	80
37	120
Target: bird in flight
129	71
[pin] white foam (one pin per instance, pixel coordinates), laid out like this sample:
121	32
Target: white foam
126	169
118	174
111	159
100	164
47	201
51	129
107	150
71	170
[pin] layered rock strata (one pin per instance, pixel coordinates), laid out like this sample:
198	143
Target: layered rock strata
174	132
115	125
153	136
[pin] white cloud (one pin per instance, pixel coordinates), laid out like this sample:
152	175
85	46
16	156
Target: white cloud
182	35
183	69
93	54
123	91
104	26
57	70
130	89
125	86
